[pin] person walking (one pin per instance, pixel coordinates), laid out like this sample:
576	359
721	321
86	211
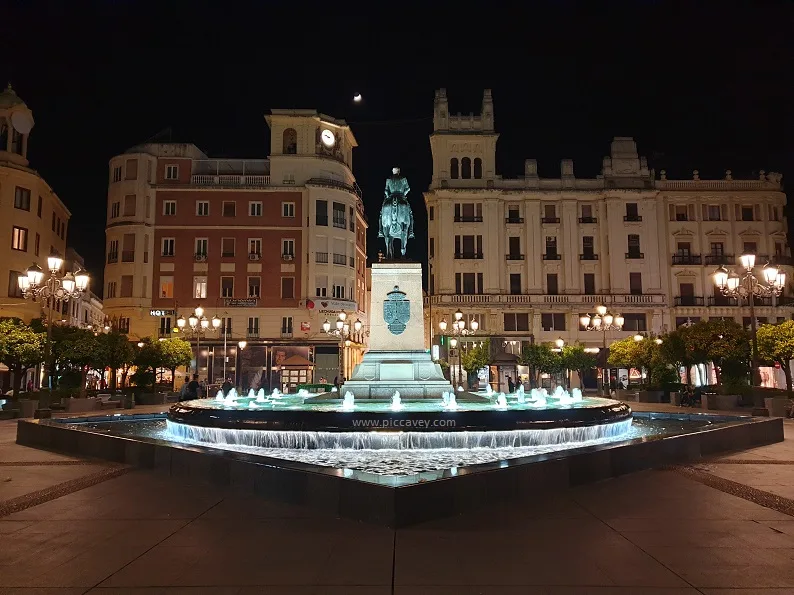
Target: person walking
510	386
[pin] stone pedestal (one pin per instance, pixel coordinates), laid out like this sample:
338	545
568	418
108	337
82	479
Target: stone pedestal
397	359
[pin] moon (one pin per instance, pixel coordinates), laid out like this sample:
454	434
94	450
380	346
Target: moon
357	98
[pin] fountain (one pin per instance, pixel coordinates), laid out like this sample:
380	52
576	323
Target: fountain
501	401
252	405
219	396
251	394
348	401
450	402
488	390
520	394
260	396
275	394
576	395
396	401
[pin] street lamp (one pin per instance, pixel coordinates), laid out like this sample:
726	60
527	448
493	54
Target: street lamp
560	343
241	344
745	285
458	330
345	333
199	325
603	321
56	287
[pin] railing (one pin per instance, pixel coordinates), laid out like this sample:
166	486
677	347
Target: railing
550	220
764	301
330	183
720	259
588	220
163	332
552	257
687	300
286	334
588	256
514	220
113	257
633	218
679	259
252	333
236	181
321	257
635	255
128	256
468	219
340	259
587	299
780	259
722	300
352	262
715	184
556	299
514	256
468	255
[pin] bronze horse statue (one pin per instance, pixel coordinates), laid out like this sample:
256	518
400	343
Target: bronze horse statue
396	217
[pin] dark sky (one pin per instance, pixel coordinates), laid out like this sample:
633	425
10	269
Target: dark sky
700	85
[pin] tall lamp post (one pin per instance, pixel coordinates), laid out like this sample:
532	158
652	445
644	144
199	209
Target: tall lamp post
603	321
458	330
745	285
343	331
199	325
56	287
241	344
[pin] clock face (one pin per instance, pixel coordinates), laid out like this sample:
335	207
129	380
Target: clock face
328	138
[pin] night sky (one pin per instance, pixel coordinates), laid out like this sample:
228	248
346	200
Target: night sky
700	85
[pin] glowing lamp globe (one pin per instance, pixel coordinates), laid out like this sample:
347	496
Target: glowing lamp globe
357	325
326	326
747	260
205	324
23	281
458	315
721	277
559	342
638	338
443	325
81	279
584	320
180	322
601	310
192	320
733	282
199	311
242	344
608	318
597	321
619	320
35	275
474	325
54	261
770	274
68	283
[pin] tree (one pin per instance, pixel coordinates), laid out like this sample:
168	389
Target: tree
476	357
80	349
147	360
684	347
574	357
20	348
540	359
776	343
114	351
629	353
174	353
726	343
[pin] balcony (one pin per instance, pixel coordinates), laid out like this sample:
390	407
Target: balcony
468	255
588	220
552	256
722	300
286	334
468	219
200	257
514	256
780	259
128	256
254	256
681	259
550	220
720	259
632	218
113	257
688	300
252	333
633	255
514	220
231	173
340	259
321	257
330	183
163	333
588	256
764	301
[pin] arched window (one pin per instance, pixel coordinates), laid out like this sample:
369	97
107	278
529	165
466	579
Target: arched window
453	168
465	168
290	142
478	168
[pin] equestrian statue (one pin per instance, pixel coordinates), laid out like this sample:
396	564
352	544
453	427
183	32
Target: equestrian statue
396	217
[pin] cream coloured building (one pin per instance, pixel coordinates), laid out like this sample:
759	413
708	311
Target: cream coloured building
527	257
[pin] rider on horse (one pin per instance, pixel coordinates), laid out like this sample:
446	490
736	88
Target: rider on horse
394	203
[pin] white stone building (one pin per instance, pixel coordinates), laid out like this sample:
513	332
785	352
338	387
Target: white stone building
527	257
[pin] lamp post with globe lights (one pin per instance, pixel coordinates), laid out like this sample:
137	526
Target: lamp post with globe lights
458	330
197	325
345	333
56	287
744	284
603	321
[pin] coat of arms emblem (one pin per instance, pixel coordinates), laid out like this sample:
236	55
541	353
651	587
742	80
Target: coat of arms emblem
396	311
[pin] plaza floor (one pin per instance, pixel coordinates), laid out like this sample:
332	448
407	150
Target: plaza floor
70	526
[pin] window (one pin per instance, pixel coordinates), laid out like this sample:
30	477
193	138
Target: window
465	168
477	168
287	209
126	286
717	248
22	198
552	321
515	283
227	247
454	172
253	287
513	214
779	248
128	247
321	212
320	286
172	172
165	326
202	246
113	251
635	283
468	212
712	213
589	284
352	220
13	284
432	247
37	245
551	248
774	213
168	247
62	232
229	208
750	248
202	208
111	289
132	169
469	286
129	205
38	210
166	287
746	213
255	246
199	287
339	215
169	207
587	213
684	248
286	325
432	213
338	291
550	214
289	142
587	248
551	284
253	326
227	287
516	322
117	173
514	247
226	325
53	217
19	239
288	248
632	212
468	283
288	287
634	246
115	210
634	322
679	213
468	247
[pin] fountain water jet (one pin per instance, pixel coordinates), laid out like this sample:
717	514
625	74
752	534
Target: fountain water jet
348	402
501	401
396	401
260	396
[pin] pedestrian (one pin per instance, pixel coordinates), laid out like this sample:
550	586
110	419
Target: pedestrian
226	386
510	386
336	382
193	388
184	392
